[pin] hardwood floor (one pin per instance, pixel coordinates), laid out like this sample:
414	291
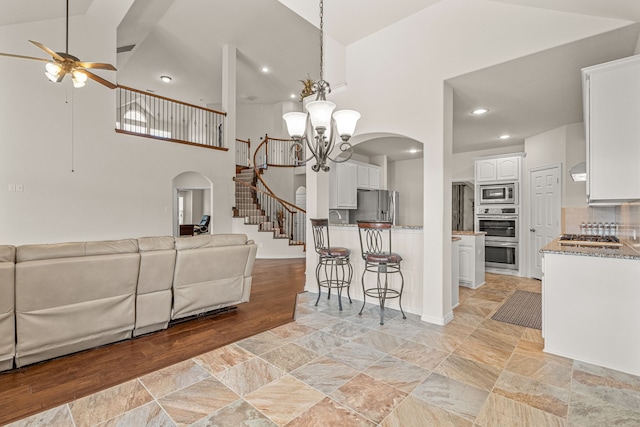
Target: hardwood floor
38	387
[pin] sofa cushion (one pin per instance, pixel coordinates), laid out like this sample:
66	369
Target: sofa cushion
209	276
146	244
70	303
68	250
154	297
7	253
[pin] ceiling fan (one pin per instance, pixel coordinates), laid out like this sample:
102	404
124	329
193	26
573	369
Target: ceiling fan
63	63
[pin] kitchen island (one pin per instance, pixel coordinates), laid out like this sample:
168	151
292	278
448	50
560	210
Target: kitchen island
471	258
590	299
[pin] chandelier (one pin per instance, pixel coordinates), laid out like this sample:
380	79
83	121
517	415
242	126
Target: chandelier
319	126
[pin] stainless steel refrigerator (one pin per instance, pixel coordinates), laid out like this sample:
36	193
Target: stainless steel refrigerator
377	205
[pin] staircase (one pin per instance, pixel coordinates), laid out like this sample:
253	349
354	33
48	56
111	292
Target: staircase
248	207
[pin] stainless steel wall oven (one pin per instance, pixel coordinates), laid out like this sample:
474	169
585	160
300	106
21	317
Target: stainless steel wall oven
501	240
500	224
501	255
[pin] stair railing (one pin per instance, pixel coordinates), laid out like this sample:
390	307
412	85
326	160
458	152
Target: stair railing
243	152
275	152
288	219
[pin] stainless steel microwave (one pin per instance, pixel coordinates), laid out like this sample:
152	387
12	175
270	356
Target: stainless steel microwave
506	194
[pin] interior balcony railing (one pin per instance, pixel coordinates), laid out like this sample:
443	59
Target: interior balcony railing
149	115
276	152
243	151
285	219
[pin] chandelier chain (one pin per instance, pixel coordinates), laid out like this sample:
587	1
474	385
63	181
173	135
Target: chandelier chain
321	39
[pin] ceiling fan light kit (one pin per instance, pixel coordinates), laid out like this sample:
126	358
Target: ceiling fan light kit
62	63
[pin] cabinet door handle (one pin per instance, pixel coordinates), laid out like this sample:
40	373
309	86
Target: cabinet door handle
533	230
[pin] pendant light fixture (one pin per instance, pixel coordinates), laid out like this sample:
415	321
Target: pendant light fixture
319	126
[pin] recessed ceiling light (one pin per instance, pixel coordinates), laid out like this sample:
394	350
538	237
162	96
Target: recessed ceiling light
479	111
505	136
166	79
293	96
265	69
413	150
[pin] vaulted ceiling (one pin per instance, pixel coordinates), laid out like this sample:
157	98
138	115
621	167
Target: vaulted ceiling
184	39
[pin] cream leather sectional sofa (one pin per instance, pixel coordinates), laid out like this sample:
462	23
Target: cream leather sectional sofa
57	299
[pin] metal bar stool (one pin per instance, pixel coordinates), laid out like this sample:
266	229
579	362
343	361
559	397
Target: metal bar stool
375	244
334	270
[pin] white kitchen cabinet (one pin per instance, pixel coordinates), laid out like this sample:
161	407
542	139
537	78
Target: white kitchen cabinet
590	310
363	176
374	177
471	260
368	176
612	111
343	192
498	169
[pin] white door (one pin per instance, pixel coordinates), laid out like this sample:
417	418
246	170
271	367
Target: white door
544	218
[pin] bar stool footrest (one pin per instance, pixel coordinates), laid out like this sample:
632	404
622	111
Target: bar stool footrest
382	293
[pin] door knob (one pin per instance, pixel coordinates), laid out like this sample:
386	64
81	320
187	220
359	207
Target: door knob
533	230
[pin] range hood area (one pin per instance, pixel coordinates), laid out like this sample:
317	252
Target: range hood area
578	172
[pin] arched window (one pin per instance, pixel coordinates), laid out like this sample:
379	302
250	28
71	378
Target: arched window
135	115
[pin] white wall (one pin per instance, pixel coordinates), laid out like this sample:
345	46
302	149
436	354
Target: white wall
576	192
565	145
405	176
81	180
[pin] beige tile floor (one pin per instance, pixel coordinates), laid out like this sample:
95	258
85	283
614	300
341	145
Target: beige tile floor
332	368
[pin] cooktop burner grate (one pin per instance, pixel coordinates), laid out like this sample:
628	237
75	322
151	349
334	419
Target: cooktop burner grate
589	238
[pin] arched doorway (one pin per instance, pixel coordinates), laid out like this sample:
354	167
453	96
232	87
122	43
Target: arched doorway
192	198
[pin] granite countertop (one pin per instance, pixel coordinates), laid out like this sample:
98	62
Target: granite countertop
467	233
623	252
454	238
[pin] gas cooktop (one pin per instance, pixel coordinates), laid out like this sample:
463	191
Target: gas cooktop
589	240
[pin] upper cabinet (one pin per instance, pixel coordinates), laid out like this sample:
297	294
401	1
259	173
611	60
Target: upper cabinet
368	176
343	192
497	169
612	123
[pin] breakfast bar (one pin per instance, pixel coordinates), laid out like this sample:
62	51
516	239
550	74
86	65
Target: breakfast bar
408	242
590	294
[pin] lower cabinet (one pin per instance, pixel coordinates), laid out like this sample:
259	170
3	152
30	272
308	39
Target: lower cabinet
590	310
471	260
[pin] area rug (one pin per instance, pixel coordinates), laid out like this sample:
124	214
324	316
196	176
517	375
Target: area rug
522	308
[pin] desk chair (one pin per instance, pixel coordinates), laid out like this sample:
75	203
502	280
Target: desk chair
203	227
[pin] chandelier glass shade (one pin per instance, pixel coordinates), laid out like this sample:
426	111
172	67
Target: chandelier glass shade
319	127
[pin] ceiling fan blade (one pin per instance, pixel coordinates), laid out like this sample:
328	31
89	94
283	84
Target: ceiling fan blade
96	65
49	51
24	57
99	79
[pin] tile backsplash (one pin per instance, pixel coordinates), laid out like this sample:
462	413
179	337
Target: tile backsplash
626	216
572	217
630	224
